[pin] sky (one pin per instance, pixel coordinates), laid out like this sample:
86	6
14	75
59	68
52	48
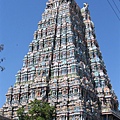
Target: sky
19	20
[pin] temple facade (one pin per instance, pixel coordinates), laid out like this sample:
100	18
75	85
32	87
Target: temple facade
64	66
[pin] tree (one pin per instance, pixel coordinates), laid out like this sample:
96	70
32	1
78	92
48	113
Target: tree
39	110
20	113
1	59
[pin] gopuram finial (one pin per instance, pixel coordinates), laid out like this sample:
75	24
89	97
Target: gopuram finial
86	6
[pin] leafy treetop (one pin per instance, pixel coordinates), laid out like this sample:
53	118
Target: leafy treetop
38	110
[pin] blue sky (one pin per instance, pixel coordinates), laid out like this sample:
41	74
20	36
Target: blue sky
19	19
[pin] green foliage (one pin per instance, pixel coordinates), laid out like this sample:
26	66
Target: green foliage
20	113
1	47
39	110
1	59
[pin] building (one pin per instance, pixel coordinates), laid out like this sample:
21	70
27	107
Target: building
4	118
64	66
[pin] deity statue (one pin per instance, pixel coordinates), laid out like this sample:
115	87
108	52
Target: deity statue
86	6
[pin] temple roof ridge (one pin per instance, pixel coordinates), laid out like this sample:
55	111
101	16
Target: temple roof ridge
58	2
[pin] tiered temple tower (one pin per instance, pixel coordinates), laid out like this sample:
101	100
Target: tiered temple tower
101	81
64	66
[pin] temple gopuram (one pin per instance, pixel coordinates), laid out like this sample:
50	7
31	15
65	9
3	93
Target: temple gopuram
64	66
